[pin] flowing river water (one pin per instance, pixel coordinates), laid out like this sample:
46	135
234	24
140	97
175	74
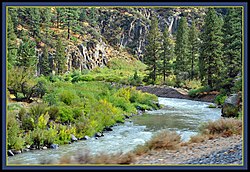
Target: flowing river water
180	115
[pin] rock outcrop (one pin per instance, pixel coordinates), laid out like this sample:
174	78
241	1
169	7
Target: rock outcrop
232	106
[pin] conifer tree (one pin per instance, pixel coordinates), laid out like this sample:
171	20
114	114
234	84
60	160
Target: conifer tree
12	44
60	56
44	66
93	16
35	19
232	46
167	53
193	48
47	15
26	54
181	47
211	49
83	15
13	12
152	52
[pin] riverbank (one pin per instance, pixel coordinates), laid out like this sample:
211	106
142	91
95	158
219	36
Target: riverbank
193	152
171	92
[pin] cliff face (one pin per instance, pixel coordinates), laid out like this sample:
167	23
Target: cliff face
81	56
120	29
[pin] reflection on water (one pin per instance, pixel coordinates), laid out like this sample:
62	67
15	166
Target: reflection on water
179	115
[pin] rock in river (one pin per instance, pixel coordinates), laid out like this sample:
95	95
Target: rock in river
73	138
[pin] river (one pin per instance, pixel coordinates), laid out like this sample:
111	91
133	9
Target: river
180	115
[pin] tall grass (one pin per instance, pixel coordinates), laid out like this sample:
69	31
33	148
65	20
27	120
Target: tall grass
162	140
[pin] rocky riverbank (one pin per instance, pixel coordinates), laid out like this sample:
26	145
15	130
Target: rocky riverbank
215	151
171	92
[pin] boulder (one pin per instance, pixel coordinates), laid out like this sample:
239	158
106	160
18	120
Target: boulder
10	153
231	106
98	134
17	151
108	129
73	138
85	138
54	146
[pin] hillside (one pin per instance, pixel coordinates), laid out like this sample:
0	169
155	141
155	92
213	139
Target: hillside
75	72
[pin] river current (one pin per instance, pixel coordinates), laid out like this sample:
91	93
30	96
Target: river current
180	115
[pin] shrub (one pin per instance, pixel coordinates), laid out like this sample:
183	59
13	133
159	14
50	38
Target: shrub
53	112
196	92
66	114
220	99
225	127
164	140
86	78
193	84
197	138
67	96
37	110
86	158
14	137
43	120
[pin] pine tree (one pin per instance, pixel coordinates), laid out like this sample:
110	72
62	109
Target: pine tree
232	46
167	49
211	49
71	16
83	15
26	54
59	16
181	47
12	44
46	19
93	16
35	21
44	63
193	48
152	51
13	12
60	57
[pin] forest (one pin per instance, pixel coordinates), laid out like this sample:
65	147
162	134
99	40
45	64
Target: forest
73	71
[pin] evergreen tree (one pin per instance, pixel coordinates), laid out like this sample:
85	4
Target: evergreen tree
232	46
46	19
35	21
70	19
12	44
181	47
26	55
59	16
44	63
193	48
60	56
211	49
13	12
93	16
83	15
167	48
152	51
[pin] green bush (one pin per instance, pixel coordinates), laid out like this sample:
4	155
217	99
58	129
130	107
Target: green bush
67	96
14	137
220	99
86	78
193	84
37	110
53	112
65	114
196	92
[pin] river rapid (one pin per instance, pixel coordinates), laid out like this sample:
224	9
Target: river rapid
180	115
